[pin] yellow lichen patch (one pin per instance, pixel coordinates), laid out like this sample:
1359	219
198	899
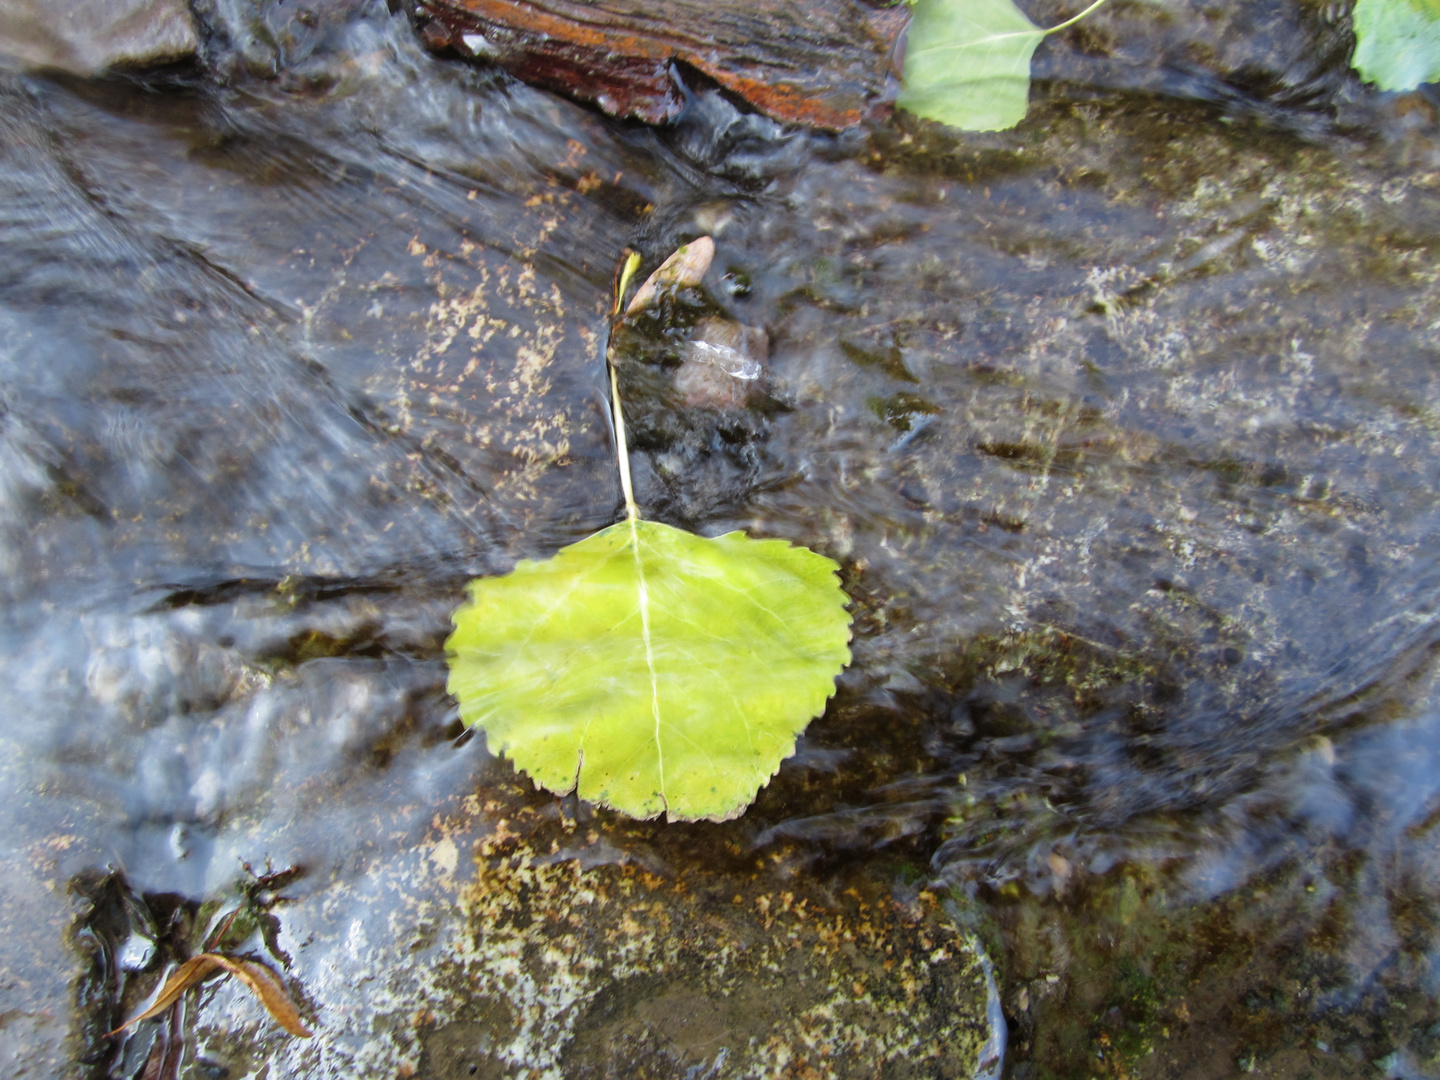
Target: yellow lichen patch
508	943
615	964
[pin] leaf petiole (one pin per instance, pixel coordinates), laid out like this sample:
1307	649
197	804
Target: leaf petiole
1073	19
622	451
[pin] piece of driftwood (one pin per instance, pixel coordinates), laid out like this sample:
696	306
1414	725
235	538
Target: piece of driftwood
825	63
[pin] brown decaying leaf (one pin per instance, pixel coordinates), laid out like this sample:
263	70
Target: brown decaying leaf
266	986
184	977
685	268
259	979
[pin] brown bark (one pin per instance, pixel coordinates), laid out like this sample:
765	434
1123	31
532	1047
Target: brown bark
826	63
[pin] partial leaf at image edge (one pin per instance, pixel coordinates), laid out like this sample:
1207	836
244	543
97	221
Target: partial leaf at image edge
967	63
652	670
1397	42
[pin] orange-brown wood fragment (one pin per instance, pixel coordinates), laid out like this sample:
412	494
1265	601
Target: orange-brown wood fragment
824	63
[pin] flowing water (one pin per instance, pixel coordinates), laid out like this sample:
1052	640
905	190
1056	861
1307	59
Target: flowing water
1124	426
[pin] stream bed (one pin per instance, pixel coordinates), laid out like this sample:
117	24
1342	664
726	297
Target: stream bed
1124	427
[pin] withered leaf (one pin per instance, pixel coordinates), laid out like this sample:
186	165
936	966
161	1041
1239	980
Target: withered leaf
266	986
259	979
683	269
184	977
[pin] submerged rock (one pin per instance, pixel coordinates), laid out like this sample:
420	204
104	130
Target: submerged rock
615	971
510	945
1124	425
88	37
723	364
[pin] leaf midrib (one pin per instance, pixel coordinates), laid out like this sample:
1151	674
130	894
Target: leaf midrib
644	602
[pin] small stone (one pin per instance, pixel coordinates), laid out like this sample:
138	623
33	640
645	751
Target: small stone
722	364
88	37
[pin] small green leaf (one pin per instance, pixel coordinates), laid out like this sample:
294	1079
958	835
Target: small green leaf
1397	42
651	669
967	63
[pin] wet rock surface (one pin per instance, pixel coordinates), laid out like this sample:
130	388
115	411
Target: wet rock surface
723	364
1122	425
88	37
508	942
1285	63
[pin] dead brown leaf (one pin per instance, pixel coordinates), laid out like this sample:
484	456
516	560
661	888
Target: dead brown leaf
184	977
683	269
266	986
259	979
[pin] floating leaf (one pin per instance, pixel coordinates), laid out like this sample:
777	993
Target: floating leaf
967	62
261	981
1397	42
647	668
651	669
686	267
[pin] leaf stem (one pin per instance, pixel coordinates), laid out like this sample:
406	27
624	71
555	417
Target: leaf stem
1073	18
991	39
622	451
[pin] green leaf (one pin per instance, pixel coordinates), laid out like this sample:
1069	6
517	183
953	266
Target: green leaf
967	63
651	669
1397	42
